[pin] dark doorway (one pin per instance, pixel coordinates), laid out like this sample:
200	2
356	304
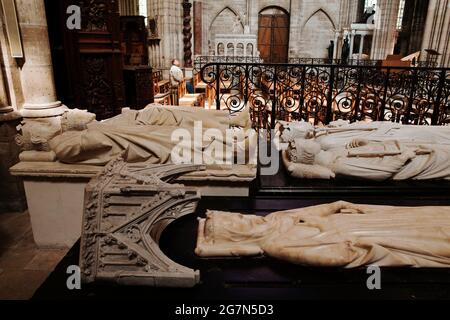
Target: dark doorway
273	35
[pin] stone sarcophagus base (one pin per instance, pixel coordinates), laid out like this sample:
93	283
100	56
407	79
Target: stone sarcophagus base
127	207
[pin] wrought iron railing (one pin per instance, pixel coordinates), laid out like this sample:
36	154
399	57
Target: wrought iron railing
320	61
201	61
353	62
323	93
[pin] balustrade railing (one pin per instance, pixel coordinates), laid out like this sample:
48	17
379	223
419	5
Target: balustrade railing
201	61
351	62
321	93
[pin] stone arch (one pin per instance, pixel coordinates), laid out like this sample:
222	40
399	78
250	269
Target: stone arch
318	12
240	49
230	49
226	13
316	35
267	9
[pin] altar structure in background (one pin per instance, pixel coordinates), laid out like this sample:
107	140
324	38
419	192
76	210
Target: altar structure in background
240	45
304	29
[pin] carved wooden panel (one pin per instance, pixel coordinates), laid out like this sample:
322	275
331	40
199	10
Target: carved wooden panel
12	195
88	62
100	58
138	86
134	36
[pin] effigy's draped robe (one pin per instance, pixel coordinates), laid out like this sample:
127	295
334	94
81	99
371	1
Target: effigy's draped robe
333	235
391	152
145	134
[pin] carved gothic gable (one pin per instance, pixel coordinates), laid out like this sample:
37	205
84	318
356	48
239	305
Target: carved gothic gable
127	207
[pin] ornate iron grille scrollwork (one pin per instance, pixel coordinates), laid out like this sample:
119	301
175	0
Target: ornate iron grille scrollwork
321	93
201	61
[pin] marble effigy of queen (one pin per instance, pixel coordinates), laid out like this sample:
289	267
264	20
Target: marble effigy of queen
374	151
340	234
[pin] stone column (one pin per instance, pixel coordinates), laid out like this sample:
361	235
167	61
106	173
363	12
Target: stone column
336	40
352	42
385	29
437	30
170	28
5	108
361	45
4	103
10	88
37	72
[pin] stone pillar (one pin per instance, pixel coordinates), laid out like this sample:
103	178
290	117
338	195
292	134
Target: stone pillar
352	42
37	72
348	13
11	88
437	30
385	29
7	111
170	30
4	105
361	45
5	108
336	46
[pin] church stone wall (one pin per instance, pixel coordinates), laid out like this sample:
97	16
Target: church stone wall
437	30
313	22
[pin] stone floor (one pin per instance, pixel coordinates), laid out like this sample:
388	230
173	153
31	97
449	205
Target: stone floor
23	267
